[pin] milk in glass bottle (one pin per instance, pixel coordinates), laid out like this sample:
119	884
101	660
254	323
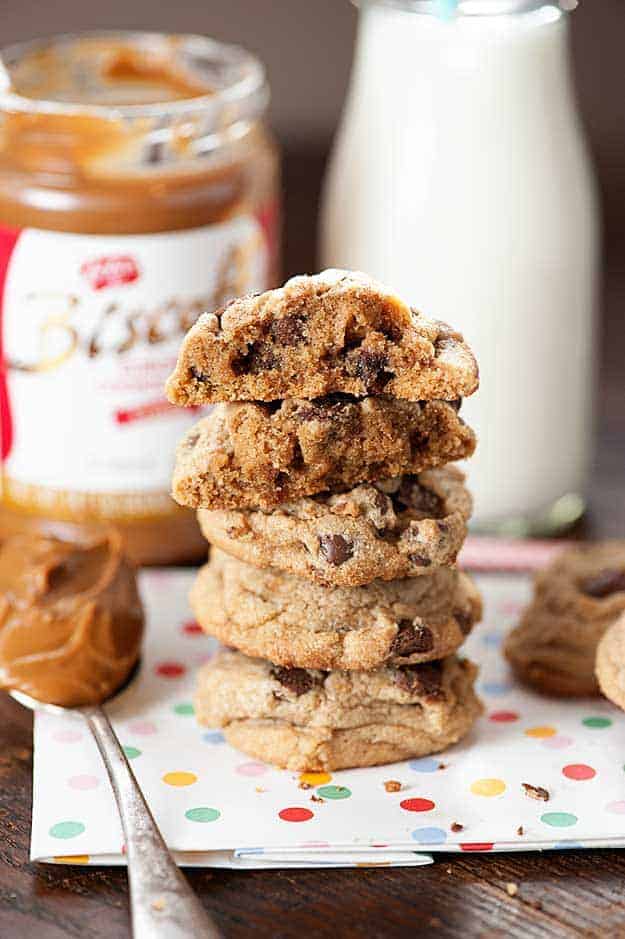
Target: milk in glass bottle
460	178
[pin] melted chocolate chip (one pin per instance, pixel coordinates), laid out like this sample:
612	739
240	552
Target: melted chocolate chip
389	330
424	680
371	370
326	408
604	583
419	559
289	330
414	496
197	374
258	358
297	680
381	501
335	549
412	638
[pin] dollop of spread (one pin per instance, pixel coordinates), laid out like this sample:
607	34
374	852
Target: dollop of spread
71	618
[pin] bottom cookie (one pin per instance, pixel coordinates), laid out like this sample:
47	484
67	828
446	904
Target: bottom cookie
610	664
307	720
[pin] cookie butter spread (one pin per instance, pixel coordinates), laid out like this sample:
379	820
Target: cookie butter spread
138	188
71	618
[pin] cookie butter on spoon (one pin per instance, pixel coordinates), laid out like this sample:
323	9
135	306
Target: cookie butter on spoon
71	619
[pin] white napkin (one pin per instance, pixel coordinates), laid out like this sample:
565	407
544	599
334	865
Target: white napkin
218	807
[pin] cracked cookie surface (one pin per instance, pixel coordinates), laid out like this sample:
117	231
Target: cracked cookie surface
401	527
576	598
337	331
253	455
297	623
314	720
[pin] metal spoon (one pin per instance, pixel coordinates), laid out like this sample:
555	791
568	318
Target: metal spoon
162	904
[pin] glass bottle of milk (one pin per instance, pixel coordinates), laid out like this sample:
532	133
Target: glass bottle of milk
460	177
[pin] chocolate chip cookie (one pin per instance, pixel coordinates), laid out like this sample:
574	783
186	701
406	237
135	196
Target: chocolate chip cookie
315	720
255	455
401	527
610	663
335	332
294	622
576	598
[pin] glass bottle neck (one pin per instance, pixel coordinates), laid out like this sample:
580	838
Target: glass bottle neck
447	8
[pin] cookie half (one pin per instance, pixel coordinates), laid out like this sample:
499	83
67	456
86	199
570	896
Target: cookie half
576	598
255	455
610	663
402	527
314	720
338	331
294	622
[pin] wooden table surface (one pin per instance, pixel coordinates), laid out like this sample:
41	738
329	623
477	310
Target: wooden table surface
568	893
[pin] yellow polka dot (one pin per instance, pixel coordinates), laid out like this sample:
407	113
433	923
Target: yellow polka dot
71	858
488	787
540	732
179	779
315	779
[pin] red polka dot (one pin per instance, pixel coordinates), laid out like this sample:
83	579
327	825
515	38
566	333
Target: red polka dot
503	717
170	669
477	846
192	628
578	771
295	814
417	805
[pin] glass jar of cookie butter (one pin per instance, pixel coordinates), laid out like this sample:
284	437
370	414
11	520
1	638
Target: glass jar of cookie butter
138	188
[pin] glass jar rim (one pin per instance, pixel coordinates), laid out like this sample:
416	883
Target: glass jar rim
472	7
242	96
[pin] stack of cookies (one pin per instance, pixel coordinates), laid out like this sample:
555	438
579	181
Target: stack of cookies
321	481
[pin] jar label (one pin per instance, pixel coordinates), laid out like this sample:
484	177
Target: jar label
90	330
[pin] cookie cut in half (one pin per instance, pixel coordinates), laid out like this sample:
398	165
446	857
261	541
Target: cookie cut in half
314	720
297	623
402	527
255	455
576	598
337	331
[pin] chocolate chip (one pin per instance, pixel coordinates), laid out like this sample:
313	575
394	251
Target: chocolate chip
414	496
336	549
412	638
197	374
258	358
325	408
420	560
371	370
424	680
535	792
464	621
289	330
390	330
456	827
604	583
381	501
297	680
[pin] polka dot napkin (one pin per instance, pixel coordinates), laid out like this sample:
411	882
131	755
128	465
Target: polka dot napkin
218	807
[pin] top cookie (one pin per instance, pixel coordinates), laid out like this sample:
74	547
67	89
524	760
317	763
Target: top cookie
337	331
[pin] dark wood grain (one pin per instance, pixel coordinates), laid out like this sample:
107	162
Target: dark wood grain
560	894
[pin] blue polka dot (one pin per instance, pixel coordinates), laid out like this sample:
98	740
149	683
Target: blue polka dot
425	765
213	736
429	835
568	844
492	639
496	688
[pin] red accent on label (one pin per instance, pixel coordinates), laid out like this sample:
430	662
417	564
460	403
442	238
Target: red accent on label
8	240
143	411
112	270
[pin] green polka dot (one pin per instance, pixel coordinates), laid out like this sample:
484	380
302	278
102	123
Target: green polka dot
559	819
131	752
185	708
334	792
597	723
67	829
202	814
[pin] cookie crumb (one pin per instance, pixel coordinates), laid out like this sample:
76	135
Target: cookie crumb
520	830
443	765
158	904
305	785
315	798
392	785
456	826
512	889
536	792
